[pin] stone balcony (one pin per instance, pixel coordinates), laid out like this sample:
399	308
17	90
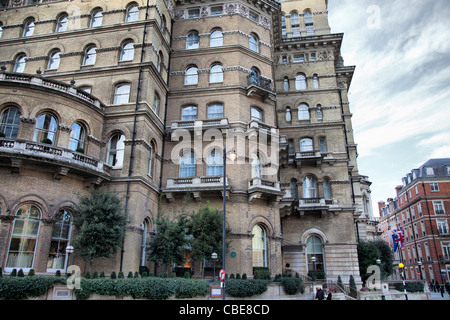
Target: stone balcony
314	158
316	205
261	188
50	84
197	126
198	186
63	160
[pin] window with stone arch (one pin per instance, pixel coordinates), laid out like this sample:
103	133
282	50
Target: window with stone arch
10	122
314	248
259	246
61	235
46	128
24	237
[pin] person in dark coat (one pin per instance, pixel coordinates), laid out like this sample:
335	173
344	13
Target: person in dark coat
320	295
329	295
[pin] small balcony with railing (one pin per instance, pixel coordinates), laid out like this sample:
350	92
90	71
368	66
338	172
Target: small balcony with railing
315	205
259	86
197	125
197	186
61	159
263	188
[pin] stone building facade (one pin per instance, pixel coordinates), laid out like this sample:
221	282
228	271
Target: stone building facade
141	97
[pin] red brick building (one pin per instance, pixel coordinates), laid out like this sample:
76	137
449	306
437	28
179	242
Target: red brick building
421	208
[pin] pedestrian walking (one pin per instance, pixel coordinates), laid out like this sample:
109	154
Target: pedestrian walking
329	295
320	295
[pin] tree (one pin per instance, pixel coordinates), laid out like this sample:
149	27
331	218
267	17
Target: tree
170	242
369	252
205	226
101	222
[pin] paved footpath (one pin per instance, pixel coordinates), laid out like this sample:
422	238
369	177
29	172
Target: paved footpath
437	296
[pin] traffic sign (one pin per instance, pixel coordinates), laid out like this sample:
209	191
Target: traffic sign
222	274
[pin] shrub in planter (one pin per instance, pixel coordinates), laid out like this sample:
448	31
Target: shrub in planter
20	274
245	288
292	285
25	287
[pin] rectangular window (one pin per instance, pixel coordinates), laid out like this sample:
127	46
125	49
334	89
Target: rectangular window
193	13
299	58
218	10
434	186
442	226
438	207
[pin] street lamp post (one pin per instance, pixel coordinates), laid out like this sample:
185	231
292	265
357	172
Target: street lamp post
69	251
214	258
224	194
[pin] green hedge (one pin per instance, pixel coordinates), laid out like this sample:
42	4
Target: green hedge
245	288
410	286
146	288
20	288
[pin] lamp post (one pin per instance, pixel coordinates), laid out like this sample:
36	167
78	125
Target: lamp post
420	269
214	258
69	251
224	194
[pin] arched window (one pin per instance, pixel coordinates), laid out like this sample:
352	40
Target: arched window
122	93
216	73
159	60
283	26
28	28
96	18
316	81
191	76
314	248
132	13
215	111
192	40
20	63
61	23
300	82
145	237
288	114
309	187
293	188
54	59
77	137
150	159
256	166
22	246
303	112
306	145
189	113
116	149
295	24
214	163
187	164
90	55
127	51
286	84
309	23
10	122
46	128
319	112
216	39
256	114
156	102
62	229
259	246
253	42
326	188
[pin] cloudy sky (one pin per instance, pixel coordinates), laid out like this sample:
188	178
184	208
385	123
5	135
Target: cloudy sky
400	92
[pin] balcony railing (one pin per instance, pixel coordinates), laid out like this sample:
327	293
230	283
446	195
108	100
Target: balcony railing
44	151
199	124
52	84
196	185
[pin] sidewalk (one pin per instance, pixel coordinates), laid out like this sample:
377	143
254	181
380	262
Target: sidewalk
437	296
